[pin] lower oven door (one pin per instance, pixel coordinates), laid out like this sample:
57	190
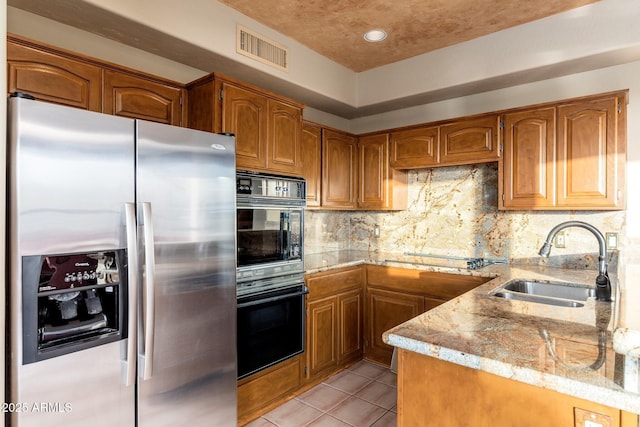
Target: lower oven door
270	328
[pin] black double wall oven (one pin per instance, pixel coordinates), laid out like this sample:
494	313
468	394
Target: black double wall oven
270	273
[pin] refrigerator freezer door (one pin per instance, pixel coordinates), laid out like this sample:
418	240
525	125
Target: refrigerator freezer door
186	185
71	173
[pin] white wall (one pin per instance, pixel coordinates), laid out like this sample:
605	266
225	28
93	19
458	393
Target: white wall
211	25
581	37
56	34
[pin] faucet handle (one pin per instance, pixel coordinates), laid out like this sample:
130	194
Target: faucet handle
603	288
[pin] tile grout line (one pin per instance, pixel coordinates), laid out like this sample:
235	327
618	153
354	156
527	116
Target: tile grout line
348	395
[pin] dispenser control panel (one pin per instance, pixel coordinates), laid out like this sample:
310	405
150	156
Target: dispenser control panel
72	271
72	302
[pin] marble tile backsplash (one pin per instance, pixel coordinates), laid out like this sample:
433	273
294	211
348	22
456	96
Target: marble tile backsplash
454	211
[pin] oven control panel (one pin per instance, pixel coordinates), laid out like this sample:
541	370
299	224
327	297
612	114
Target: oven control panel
251	187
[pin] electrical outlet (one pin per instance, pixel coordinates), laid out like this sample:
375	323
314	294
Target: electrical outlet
559	241
585	418
612	240
376	231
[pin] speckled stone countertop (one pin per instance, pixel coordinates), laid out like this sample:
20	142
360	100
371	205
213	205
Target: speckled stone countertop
547	346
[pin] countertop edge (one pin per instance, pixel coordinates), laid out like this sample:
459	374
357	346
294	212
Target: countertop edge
623	400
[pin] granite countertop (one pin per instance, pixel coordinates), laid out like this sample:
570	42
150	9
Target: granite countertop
547	346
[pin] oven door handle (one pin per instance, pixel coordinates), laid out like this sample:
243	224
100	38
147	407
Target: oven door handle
272	299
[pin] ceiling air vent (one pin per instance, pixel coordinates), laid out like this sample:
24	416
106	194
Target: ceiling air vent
261	49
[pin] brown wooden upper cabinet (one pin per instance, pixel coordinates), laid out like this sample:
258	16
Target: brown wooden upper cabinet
470	141
415	148
380	187
268	131
348	172
52	77
61	77
460	142
568	155
285	134
591	153
244	113
132	96
311	151
339	170
529	158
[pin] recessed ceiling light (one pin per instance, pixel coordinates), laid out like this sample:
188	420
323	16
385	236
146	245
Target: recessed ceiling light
375	36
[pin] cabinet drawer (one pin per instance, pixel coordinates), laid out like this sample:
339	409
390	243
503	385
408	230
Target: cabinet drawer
334	281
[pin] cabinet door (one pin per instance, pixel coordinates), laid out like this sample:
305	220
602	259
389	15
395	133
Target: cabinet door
380	186
350	314
53	78
322	353
590	160
415	148
131	96
244	113
283	145
470	141
373	167
339	170
529	158
386	309
311	152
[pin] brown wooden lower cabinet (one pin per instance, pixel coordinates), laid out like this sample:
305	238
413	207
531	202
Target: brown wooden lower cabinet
350	315
266	389
334	321
334	326
386	309
322	327
395	295
432	392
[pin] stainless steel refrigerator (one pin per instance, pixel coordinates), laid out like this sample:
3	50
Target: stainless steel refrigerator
122	271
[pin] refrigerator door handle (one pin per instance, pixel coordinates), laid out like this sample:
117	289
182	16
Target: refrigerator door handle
148	300
129	363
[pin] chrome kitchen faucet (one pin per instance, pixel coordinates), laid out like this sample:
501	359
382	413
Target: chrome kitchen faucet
603	285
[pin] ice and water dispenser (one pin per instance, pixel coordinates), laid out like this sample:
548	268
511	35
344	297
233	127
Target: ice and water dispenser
72	302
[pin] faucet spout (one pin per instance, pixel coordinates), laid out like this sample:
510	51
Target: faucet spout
603	285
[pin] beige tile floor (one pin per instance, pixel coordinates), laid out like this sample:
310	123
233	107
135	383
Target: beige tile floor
362	396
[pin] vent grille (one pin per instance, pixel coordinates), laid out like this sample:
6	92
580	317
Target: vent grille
261	49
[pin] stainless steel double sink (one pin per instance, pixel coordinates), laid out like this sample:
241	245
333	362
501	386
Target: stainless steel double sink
550	293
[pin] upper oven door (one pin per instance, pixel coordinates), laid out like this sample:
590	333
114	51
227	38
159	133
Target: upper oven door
268	235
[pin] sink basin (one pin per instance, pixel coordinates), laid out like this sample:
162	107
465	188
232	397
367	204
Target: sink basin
550	293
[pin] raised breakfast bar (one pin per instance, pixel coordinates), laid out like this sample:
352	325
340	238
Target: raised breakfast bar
516	357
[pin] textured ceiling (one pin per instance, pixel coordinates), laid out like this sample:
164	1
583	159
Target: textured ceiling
335	28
